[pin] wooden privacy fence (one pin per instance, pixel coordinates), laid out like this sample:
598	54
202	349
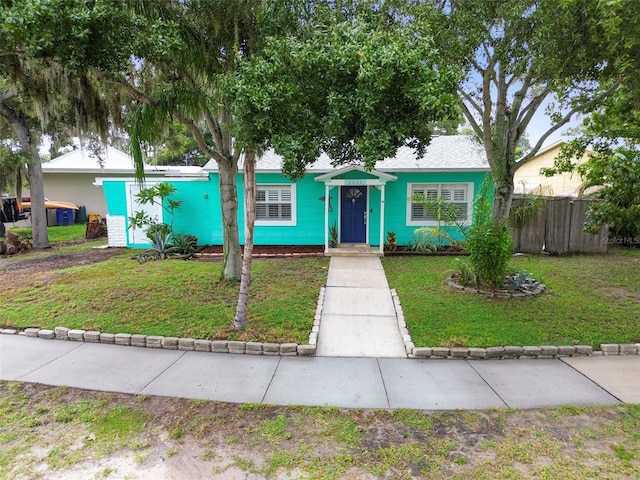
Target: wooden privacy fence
556	228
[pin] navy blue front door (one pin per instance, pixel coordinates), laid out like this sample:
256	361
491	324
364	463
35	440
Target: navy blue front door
353	223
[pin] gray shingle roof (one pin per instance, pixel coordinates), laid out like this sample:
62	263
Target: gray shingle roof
448	152
112	161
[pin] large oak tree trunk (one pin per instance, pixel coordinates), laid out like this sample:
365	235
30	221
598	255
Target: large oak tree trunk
38	211
229	202
240	320
36	182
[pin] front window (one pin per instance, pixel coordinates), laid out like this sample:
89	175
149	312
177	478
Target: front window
275	205
426	200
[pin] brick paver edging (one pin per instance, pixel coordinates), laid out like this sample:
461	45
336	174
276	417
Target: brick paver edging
507	352
168	343
293	349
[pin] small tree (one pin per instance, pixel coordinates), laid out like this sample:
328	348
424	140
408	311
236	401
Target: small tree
489	242
156	195
446	215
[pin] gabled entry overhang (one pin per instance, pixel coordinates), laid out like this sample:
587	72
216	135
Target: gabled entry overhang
379	178
372	178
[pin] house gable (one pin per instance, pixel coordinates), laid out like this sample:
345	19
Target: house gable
343	176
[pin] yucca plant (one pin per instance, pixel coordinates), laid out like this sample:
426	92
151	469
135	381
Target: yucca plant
333	236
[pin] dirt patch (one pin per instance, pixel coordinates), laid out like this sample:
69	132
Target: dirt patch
621	293
38	267
191	439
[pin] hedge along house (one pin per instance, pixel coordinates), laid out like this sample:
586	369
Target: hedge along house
361	206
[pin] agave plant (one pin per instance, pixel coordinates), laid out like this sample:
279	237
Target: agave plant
161	246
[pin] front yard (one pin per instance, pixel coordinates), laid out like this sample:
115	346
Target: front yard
169	298
590	300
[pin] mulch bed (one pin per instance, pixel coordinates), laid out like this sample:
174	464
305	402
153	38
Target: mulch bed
271	249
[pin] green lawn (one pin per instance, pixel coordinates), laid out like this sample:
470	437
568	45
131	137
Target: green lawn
170	298
56	234
591	300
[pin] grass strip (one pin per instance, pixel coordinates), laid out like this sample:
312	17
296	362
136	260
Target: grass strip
70	433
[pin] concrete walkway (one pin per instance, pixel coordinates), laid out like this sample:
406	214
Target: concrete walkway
323	381
358	316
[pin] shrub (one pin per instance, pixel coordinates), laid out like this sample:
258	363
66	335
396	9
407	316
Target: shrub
464	272
489	243
156	229
161	248
333	236
185	244
392	243
422	242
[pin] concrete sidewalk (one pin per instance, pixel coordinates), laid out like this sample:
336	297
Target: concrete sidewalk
323	381
358	317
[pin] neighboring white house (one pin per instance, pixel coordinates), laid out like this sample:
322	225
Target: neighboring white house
72	177
528	178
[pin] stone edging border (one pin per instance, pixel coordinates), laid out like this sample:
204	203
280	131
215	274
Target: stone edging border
540	288
168	343
507	352
294	349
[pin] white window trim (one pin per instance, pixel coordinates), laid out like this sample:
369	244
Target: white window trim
430	223
294	212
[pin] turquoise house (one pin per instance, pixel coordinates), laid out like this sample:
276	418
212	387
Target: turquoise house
361	206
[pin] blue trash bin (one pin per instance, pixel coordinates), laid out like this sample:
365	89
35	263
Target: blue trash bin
64	216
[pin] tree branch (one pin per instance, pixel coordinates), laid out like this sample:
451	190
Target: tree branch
214	128
477	66
525	115
579	108
13	52
130	89
200	140
474	125
471	101
486	100
190	124
520	95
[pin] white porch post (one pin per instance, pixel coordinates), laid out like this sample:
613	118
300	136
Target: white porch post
382	198
327	188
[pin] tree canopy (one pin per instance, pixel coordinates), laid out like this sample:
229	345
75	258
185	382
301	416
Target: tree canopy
356	89
523	56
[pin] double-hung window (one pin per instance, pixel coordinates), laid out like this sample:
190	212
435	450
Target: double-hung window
426	198
275	205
